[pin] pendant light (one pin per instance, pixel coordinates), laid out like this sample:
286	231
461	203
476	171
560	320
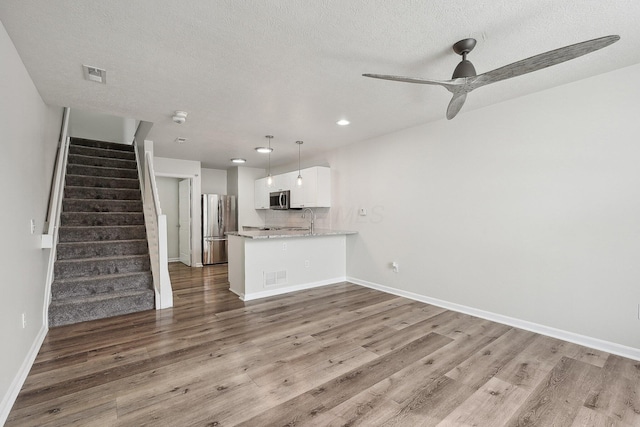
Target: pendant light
269	177
299	180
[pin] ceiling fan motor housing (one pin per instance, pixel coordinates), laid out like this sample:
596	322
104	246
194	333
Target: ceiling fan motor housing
464	69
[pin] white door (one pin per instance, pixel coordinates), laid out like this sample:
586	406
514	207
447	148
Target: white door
184	220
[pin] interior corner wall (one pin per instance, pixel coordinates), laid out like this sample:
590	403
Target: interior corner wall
529	208
30	133
168	195
247	214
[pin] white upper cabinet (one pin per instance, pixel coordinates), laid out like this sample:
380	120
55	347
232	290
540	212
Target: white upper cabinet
261	194
315	191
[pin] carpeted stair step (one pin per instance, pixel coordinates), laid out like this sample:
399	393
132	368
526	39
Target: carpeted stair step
93	307
100	205
105	248
101	144
102	172
101	152
103	267
106	233
86	286
101	218
87	267
102	193
76	159
100	182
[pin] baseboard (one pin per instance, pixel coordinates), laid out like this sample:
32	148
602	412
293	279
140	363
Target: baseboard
173	260
12	394
280	291
598	344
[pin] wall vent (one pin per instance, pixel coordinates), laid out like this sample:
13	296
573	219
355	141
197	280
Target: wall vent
95	74
274	278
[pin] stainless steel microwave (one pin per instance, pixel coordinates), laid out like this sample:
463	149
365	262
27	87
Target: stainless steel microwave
279	199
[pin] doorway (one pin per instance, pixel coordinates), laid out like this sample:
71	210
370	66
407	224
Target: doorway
175	202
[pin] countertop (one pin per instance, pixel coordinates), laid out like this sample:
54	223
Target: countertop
277	234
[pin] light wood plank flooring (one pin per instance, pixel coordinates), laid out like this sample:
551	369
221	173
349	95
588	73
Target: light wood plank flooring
340	355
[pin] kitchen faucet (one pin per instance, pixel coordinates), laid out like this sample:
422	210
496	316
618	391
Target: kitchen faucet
313	219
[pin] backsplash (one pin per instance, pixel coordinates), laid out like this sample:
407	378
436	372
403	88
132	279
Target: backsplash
293	218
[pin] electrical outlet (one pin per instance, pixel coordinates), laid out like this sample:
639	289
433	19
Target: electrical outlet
284	246
395	266
24	320
33	226
363	211
307	264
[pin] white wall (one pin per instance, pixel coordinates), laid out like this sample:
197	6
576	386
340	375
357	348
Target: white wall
175	168
241	183
528	209
214	181
168	194
101	127
30	131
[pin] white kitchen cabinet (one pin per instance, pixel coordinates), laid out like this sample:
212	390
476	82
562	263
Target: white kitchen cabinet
282	182
315	191
261	194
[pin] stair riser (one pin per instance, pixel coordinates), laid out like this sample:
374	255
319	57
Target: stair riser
86	234
75	159
95	286
102	172
99	182
101	144
81	312
101	152
102	193
68	269
102	249
101	219
101	206
101	271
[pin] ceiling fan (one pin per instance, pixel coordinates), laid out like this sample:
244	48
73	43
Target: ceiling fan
464	78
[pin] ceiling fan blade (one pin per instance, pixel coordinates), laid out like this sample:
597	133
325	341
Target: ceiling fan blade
451	85
456	104
543	60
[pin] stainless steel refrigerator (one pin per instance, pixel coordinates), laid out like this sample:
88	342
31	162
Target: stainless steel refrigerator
219	216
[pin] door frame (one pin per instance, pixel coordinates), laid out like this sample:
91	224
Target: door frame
196	258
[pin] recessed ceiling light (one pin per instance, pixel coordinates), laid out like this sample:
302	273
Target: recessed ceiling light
343	122
237	160
264	150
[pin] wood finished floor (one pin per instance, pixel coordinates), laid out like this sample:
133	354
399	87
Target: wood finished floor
340	355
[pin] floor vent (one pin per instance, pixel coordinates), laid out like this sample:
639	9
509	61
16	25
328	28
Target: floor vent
274	278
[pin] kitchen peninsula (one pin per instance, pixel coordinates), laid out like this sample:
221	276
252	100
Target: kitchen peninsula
263	263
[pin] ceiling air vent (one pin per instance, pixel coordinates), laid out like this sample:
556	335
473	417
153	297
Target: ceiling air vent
181	140
95	74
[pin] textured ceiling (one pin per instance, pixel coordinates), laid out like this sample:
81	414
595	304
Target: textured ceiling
244	69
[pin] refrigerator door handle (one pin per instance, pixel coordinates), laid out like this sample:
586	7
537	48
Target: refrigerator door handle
220	227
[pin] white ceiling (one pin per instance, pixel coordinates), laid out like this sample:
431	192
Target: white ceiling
244	69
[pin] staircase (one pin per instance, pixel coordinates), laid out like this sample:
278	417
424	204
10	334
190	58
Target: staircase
102	267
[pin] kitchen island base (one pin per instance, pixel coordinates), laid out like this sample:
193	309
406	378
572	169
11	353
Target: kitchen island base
260	268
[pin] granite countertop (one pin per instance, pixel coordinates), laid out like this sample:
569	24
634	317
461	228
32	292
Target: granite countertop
276	234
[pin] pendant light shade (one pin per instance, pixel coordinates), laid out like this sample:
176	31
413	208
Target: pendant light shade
269	177
299	180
